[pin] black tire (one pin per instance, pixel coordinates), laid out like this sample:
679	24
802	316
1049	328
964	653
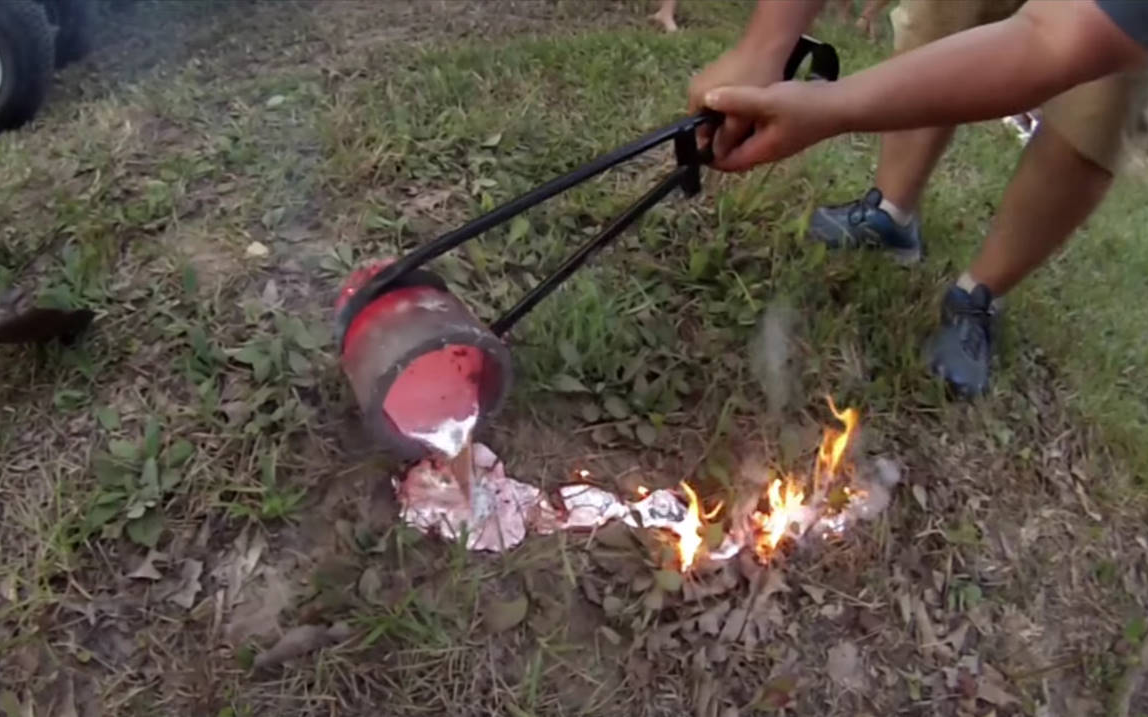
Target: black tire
26	60
77	23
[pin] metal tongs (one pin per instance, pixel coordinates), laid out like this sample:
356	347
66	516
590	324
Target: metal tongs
824	65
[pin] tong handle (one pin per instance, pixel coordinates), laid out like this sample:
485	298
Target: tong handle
824	65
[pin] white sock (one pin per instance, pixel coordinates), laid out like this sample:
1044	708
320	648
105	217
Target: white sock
966	282
898	214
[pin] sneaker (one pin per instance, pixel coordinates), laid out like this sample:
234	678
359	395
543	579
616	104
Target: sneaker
960	351
862	223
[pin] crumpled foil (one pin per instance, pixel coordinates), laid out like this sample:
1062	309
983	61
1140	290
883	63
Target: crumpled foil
503	511
500	513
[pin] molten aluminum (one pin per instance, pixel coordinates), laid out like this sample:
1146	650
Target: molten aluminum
450	437
502	511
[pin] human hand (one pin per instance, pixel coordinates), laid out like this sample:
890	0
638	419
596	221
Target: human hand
784	119
737	67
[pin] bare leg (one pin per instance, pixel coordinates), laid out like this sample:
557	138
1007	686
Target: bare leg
1052	192
907	159
665	15
867	22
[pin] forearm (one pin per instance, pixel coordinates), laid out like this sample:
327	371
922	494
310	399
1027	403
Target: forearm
988	72
775	26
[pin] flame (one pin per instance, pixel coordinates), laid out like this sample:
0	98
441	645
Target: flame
787	499
689	537
792	508
785	508
835	443
643	491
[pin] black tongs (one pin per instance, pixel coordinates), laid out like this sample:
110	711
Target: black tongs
824	65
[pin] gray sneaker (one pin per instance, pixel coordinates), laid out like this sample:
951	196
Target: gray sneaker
961	350
863	224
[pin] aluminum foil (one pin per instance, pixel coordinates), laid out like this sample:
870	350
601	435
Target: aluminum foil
502	511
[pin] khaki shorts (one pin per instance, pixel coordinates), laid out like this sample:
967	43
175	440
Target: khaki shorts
1097	118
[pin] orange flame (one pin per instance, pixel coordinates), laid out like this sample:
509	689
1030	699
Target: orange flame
690	539
787	499
835	443
785	508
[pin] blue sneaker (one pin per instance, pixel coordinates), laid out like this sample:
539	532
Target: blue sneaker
863	224
960	351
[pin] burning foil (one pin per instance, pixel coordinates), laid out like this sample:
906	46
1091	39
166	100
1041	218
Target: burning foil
502	511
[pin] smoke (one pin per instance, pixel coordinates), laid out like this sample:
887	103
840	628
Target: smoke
773	356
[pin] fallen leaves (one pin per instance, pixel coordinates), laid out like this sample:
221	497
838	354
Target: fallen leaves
301	640
184	592
991	688
147	569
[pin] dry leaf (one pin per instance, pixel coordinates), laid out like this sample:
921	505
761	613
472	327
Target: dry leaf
147	569
926	633
663	639
270	295
612	605
8	588
816	592
299	641
258	613
991	688
956	639
734	625
502	615
189	585
921	496
371	585
710	621
774	583
844	666
905	603
611	635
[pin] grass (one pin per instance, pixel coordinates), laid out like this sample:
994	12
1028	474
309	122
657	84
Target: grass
206	411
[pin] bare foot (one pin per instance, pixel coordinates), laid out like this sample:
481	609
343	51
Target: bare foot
666	20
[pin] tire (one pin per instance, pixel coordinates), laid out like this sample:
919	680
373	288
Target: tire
26	60
77	23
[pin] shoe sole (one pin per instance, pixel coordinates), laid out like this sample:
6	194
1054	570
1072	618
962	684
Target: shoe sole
901	257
